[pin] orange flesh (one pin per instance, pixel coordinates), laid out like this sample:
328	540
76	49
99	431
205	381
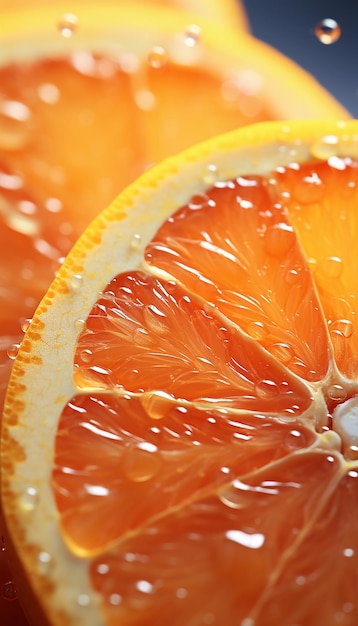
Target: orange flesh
73	132
199	481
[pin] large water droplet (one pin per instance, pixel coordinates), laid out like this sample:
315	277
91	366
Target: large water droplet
29	499
68	25
344	326
13	351
156	404
75	282
8	590
141	462
267	389
336	393
155	320
325	147
328	31
331	267
284	352
257	330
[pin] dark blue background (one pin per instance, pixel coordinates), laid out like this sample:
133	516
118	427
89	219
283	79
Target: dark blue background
289	26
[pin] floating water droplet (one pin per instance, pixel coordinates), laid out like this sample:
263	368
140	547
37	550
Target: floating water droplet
8	590
331	267
75	282
15	125
279	239
156	404
257	330
282	351
267	389
68	25
13	351
192	35
29	499
157	57
344	326
136	241
328	31
336	393
141	462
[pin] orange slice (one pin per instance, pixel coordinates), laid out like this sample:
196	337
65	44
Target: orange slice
83	115
180	434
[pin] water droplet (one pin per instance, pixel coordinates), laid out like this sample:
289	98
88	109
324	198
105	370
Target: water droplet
267	389
192	35
75	282
44	562
68	25
257	330
86	355
301	580
49	93
336	393
79	325
155	320
15	125
115	599
181	593
325	147
331	267
344	326
292	276
157	57
8	590
279	239
328	31
282	351
348	552
29	499
156	404
136	241
13	351
54	205
141	462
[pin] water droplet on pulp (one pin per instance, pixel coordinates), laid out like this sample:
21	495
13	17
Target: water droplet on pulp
157	57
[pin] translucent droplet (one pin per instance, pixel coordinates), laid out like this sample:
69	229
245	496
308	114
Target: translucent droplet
344	326
181	593
145	99
8	590
192	35
336	393
211	174
328	31
267	389
15	125
157	57
68	25
115	599
282	351
348	552
257	330
49	93
54	205
79	325
156	404
86	355
325	147
83	599
292	276
136	241
29	499
141	462
331	267
13	351
75	282
279	239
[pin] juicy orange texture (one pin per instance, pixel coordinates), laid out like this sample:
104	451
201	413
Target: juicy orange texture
196	466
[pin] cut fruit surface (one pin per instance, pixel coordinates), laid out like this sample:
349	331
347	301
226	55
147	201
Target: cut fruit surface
196	460
84	111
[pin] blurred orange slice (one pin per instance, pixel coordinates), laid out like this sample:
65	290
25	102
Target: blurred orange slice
180	433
